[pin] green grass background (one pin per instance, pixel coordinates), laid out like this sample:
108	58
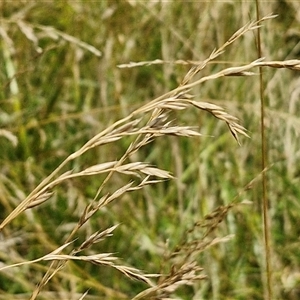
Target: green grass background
56	94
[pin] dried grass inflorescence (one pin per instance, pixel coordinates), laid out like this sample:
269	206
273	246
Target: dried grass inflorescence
145	124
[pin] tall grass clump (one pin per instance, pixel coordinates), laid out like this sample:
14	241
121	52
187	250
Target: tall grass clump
125	171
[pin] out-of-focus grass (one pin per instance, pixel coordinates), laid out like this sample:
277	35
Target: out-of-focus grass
57	92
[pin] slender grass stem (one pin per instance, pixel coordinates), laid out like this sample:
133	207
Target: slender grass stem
264	161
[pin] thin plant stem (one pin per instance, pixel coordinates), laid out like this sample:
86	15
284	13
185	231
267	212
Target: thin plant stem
264	159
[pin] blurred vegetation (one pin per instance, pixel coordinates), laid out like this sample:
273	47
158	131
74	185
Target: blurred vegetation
61	85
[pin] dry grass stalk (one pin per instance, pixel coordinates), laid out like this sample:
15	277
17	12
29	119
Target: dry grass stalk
184	269
145	124
198	66
112	134
187	274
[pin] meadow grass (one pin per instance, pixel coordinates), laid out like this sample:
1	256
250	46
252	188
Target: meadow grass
125	171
